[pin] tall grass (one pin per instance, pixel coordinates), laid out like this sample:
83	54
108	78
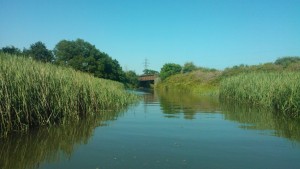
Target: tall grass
37	94
279	91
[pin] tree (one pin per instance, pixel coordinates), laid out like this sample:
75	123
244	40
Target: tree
150	72
83	56
189	67
169	69
39	51
286	61
131	79
11	50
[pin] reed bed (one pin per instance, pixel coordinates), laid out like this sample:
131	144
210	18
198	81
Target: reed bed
38	94
279	91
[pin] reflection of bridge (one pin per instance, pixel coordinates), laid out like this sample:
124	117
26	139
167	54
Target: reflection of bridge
146	80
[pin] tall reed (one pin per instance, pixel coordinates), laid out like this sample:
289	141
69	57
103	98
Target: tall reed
279	91
36	94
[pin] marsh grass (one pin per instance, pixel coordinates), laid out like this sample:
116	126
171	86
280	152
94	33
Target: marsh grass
38	94
279	91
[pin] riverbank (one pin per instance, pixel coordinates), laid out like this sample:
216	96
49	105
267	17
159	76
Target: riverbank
36	94
279	91
197	82
274	89
187	126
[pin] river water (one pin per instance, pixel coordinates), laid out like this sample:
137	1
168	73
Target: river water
162	131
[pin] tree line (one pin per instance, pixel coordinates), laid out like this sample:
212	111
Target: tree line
81	56
288	63
85	57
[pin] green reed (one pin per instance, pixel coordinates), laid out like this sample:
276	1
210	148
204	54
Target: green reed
37	94
279	91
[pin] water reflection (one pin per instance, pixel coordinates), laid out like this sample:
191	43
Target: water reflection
28	151
173	104
155	142
151	98
259	119
251	118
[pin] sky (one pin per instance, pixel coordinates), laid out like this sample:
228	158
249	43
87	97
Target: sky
209	33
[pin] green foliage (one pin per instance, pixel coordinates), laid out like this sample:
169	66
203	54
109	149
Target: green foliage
276	90
37	94
67	51
293	67
39	52
131	79
169	69
196	82
79	55
236	70
150	72
189	67
282	64
83	56
286	61
11	50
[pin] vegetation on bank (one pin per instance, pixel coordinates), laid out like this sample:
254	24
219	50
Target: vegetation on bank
199	82
270	85
189	78
79	55
37	94
276	90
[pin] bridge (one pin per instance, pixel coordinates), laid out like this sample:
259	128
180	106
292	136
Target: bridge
147	80
147	77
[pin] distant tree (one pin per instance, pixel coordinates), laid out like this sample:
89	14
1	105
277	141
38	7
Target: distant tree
131	79
65	51
83	56
39	51
189	67
110	69
11	50
286	61
169	69
150	72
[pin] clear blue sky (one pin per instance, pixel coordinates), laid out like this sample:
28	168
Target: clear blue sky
210	33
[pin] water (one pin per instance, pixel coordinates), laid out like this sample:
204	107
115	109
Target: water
163	131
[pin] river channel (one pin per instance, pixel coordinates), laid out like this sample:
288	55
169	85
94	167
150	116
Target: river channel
162	131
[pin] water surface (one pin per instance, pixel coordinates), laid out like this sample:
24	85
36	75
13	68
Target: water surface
166	130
